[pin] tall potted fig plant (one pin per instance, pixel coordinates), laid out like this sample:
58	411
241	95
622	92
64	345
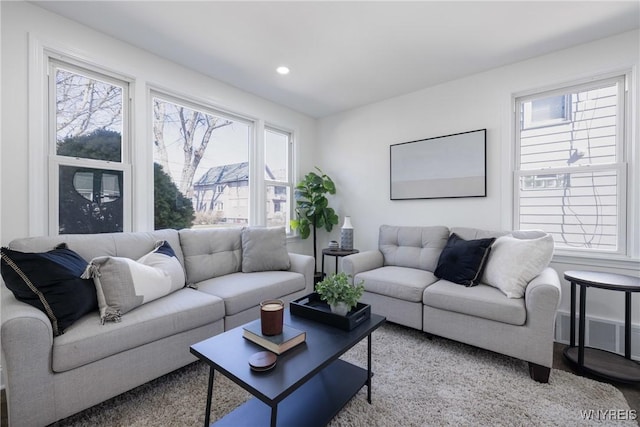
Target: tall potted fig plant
312	209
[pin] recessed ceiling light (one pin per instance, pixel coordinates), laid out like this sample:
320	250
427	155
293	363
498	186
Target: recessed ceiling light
282	70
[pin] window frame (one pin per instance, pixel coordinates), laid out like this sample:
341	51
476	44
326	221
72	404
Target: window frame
256	150
209	108
139	210
54	61
289	183
620	166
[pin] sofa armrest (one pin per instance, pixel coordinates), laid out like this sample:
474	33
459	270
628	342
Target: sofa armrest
363	261
27	343
305	265
542	298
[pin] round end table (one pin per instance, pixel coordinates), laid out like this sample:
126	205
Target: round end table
595	361
337	253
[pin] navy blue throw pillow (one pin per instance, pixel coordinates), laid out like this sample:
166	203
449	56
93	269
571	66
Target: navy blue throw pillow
51	282
462	261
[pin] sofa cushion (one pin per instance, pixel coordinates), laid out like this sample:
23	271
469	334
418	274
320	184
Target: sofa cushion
88	246
482	301
414	247
242	291
123	284
514	262
51	282
462	261
264	249
87	341
211	252
468	233
403	283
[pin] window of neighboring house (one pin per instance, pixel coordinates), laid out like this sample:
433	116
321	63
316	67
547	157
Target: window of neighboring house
201	161
278	177
570	177
88	162
546	111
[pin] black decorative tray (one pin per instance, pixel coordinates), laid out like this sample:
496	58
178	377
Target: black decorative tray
312	307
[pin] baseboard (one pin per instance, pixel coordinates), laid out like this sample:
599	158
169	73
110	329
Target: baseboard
600	333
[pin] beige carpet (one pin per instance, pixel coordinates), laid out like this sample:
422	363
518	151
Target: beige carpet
417	382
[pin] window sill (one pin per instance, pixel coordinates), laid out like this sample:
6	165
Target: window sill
293	238
598	260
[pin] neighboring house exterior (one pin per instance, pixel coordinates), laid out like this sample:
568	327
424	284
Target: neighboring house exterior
224	192
570	181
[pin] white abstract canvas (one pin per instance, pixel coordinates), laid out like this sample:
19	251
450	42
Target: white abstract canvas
446	166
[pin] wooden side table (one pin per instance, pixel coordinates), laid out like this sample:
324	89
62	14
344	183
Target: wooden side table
337	253
594	361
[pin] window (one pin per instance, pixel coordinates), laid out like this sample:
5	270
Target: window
89	142
546	111
211	168
201	160
278	177
570	165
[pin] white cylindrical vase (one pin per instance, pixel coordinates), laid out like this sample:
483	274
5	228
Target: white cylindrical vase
346	234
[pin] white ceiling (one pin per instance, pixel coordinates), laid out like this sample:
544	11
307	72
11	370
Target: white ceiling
347	54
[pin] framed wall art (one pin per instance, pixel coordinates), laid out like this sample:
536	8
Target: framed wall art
442	167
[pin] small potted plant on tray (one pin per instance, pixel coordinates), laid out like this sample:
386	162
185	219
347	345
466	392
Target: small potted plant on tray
341	295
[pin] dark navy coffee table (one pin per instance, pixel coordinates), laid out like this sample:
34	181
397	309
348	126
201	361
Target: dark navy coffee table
309	384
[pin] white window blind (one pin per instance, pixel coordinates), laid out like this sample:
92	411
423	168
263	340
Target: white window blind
570	168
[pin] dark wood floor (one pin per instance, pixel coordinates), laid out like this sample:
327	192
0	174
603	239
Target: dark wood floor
630	391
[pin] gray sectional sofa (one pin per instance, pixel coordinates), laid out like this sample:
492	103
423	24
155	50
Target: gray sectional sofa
400	284
48	378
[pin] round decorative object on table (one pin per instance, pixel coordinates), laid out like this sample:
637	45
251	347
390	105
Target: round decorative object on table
262	361
346	234
333	245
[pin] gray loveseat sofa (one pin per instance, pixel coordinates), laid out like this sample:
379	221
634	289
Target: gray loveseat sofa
48	378
400	284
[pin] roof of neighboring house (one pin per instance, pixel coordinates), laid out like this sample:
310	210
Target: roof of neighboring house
233	172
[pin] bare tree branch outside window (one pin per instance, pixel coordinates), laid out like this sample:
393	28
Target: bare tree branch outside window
84	104
196	128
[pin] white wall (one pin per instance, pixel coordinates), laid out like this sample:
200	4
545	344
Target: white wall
22	21
355	150
352	147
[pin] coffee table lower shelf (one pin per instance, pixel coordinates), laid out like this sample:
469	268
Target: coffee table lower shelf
314	403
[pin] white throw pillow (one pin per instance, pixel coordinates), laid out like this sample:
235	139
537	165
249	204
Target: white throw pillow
514	262
123	284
